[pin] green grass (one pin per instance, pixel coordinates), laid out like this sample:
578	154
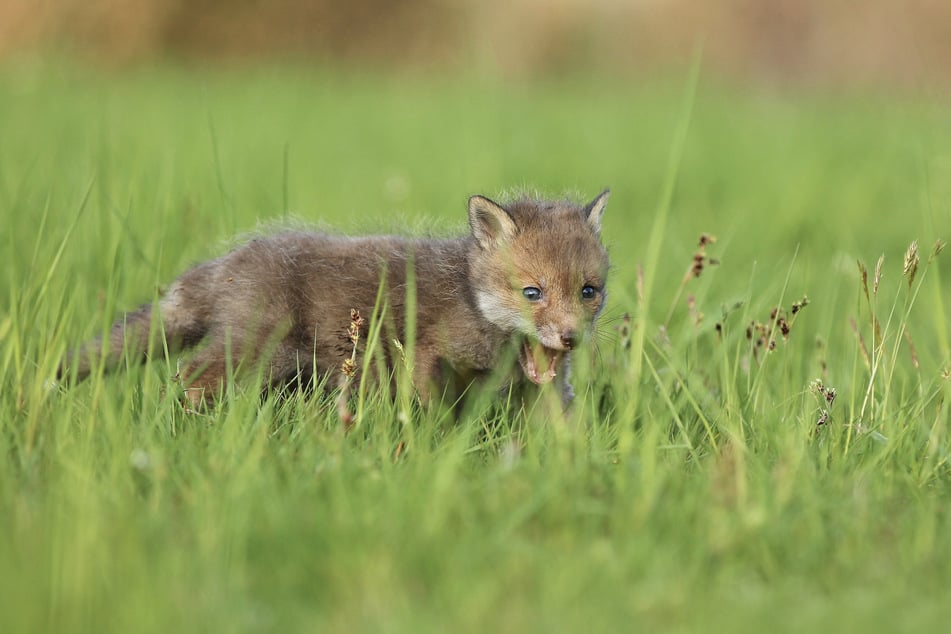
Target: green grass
690	489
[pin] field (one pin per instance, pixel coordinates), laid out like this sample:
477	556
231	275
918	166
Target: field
728	466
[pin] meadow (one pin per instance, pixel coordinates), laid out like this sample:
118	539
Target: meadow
765	444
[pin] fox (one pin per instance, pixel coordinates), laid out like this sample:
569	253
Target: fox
524	287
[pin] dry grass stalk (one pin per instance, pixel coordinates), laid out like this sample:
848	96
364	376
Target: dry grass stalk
863	274
911	262
936	249
912	349
763	335
348	370
827	396
700	257
698	262
878	274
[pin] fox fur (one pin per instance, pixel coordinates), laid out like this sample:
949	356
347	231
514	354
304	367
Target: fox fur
524	287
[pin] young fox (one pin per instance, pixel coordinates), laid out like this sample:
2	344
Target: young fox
526	284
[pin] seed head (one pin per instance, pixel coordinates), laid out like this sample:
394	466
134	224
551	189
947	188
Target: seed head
700	258
783	327
828	393
863	274
911	262
356	323
697	268
878	274
936	250
797	306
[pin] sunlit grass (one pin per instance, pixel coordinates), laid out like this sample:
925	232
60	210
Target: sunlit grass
691	487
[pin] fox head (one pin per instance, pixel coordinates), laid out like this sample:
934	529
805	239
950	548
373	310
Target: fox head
538	270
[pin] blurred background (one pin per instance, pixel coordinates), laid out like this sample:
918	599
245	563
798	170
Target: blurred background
904	43
819	130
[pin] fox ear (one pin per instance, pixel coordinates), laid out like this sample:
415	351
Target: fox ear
491	224
595	209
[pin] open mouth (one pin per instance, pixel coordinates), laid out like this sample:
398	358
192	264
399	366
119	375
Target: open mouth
540	364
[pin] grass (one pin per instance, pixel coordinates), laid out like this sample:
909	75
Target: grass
691	489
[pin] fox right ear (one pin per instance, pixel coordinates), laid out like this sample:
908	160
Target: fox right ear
491	224
594	210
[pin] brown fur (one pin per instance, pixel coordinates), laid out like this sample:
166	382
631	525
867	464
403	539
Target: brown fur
285	300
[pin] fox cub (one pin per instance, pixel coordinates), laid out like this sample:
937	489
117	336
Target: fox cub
526	284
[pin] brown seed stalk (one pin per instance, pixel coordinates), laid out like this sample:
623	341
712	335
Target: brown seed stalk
863	274
348	370
912	350
828	395
698	262
700	258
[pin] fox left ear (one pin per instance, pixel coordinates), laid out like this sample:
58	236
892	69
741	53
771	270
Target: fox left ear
595	209
491	224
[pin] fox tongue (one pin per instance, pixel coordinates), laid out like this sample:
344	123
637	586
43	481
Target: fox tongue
538	362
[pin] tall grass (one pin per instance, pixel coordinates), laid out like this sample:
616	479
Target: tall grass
707	478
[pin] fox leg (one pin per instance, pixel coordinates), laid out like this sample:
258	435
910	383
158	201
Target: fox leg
204	375
206	371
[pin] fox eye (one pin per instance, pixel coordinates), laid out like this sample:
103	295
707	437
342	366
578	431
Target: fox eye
588	292
532	294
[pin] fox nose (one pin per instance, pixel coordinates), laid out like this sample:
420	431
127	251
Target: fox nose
569	339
